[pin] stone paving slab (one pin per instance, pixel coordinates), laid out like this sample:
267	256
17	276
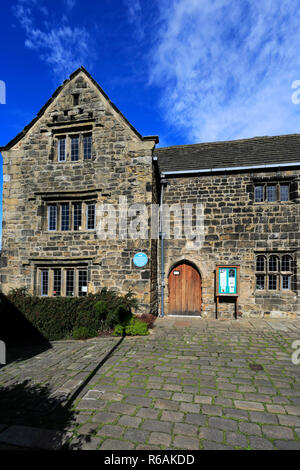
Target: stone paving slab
183	387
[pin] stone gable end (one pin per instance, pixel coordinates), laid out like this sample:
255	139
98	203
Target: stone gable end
120	164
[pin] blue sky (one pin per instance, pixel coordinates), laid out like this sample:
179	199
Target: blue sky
186	70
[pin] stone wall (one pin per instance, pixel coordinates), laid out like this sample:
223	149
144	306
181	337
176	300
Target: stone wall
121	165
236	229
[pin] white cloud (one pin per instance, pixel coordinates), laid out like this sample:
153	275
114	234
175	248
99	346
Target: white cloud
226	68
70	3
60	45
134	10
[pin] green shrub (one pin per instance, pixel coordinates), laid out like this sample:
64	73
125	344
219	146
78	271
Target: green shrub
119	330
133	327
101	309
119	315
83	332
55	317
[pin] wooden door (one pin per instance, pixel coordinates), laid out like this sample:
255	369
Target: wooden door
184	290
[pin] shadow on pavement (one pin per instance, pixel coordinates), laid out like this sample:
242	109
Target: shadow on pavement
31	417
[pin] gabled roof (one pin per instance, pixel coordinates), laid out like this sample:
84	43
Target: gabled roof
279	151
55	94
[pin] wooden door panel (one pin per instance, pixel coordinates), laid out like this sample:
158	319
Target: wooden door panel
184	289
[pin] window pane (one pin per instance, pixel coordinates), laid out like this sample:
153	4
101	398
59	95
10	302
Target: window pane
286	263
284	192
260	263
76	99
272	282
286	282
65	216
57	282
260	282
52	217
87	147
44	282
74	148
90	217
271	193
62	150
273	263
77	216
259	194
70	283
82	283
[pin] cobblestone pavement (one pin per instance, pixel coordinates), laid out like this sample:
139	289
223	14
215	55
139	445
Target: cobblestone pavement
192	384
38	378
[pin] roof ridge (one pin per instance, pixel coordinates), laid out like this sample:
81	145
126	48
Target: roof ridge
40	113
222	142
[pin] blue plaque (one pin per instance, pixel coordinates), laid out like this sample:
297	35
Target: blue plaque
140	259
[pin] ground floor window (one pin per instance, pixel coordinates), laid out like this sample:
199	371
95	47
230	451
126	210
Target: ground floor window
62	281
274	272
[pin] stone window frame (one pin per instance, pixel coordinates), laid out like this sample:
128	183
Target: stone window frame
269	274
53	270
85	203
67	137
277	185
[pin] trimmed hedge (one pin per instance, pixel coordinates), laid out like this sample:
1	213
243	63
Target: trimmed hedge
83	332
56	317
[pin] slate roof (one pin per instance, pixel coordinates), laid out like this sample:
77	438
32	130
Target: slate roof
257	151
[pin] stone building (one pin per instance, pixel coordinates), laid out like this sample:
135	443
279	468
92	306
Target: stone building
80	152
250	193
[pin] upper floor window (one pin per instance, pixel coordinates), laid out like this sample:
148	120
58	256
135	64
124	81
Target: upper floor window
259	193
62	149
74	147
274	272
273	263
65	216
284	192
77	218
91	216
52	217
72	216
260	263
286	263
272	192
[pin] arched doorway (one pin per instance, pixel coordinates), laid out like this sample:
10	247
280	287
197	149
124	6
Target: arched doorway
184	284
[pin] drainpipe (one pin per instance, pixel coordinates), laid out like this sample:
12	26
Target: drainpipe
163	182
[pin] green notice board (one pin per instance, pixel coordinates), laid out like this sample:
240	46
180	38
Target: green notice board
227	280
